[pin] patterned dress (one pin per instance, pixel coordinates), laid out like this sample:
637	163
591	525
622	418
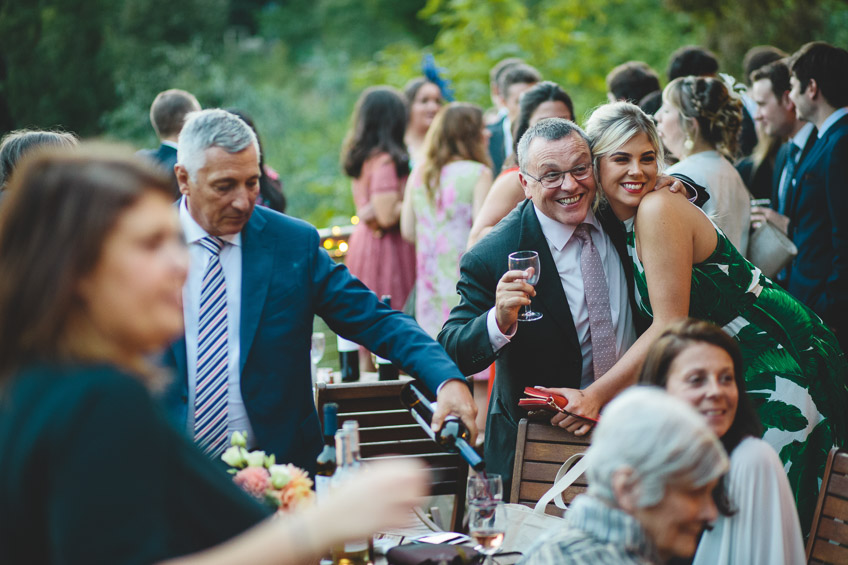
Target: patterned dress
796	374
442	226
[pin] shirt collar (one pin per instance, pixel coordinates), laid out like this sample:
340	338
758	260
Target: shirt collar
832	119
557	233
169	143
610	525
192	230
800	138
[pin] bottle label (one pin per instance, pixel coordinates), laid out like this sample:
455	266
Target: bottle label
381	361
343	344
322	486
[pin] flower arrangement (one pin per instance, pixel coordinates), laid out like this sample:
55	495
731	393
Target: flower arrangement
283	487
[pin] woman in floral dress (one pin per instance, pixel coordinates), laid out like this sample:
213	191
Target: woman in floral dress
684	265
443	195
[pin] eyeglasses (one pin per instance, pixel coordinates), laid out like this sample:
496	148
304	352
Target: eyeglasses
555	179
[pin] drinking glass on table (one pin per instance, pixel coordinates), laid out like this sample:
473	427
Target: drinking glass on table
523	261
487	526
485	488
318	345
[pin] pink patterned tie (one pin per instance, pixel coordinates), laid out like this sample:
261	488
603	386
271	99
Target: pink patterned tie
596	290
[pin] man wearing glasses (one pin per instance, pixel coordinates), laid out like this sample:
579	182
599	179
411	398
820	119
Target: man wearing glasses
583	281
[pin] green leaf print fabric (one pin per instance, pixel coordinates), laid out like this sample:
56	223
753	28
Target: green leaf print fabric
795	372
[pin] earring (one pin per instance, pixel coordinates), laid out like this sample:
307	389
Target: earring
688	144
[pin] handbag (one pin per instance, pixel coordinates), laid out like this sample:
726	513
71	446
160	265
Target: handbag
526	525
770	250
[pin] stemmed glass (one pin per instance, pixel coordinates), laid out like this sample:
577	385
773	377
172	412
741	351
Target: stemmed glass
523	261
318	345
483	488
487	526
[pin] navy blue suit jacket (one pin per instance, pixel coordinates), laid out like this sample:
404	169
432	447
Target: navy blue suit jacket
780	164
287	278
817	204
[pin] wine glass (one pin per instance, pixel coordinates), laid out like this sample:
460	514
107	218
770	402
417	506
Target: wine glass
487	526
318	345
522	261
485	488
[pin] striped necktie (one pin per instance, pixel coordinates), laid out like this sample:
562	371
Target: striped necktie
210	403
596	290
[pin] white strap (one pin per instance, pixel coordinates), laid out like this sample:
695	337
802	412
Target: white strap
573	467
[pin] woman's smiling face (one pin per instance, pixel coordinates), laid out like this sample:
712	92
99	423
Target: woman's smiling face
628	173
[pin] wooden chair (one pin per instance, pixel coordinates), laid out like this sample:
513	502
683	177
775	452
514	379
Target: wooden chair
540	451
387	430
828	541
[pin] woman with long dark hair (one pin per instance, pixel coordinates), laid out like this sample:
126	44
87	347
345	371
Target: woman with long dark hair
697	362
374	157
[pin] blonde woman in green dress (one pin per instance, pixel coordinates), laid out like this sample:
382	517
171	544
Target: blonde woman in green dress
684	266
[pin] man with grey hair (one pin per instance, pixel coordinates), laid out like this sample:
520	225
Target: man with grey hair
167	115
580	255
652	468
256	280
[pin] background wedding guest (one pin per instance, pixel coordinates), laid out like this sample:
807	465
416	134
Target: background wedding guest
167	115
423	98
817	197
514	80
776	114
698	363
631	82
17	144
699	123
91	472
443	195
545	100
374	156
652	466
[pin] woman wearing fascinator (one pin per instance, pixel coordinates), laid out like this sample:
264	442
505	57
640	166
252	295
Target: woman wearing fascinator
425	95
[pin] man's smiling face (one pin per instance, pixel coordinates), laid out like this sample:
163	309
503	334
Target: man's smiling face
569	203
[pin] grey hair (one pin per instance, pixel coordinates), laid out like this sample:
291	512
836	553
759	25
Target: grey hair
661	439
20	142
612	125
212	128
550	129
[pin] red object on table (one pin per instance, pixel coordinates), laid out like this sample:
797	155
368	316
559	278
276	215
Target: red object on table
549	402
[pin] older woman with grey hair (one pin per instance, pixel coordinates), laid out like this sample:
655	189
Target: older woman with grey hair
652	467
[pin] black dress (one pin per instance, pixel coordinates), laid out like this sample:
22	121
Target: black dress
91	473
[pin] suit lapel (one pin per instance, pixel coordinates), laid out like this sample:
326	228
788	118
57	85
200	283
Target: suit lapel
810	157
257	261
549	288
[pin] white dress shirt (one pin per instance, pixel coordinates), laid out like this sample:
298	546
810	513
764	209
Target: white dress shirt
566	251
230	258
832	119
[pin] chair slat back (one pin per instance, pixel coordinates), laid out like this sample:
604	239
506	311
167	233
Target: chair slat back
828	541
388	431
540	451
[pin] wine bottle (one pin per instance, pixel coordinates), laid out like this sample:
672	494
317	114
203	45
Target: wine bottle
359	552
326	462
453	435
348	359
386	371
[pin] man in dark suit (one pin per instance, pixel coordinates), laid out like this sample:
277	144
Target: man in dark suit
556	350
512	83
818	199
776	115
167	115
256	280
